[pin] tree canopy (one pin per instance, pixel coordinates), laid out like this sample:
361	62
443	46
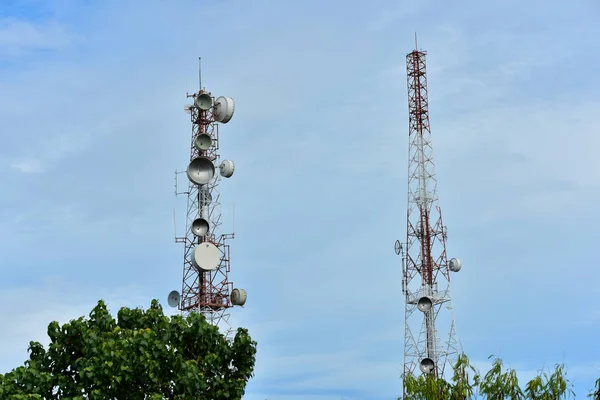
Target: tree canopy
497	384
141	355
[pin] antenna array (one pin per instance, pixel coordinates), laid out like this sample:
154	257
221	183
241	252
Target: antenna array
206	287
430	343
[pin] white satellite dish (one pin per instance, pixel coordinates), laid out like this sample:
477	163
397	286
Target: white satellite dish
200	171
398	247
206	256
224	108
187	108
203	102
238	297
203	142
174	298
227	167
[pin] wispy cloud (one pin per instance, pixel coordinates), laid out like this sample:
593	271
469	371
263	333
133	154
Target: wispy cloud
20	36
51	151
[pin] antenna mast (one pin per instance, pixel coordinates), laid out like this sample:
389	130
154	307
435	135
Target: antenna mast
425	267
206	263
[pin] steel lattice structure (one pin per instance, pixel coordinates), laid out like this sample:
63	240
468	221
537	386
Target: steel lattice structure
206	290
430	343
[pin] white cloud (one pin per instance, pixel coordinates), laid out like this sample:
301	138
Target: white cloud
50	152
19	36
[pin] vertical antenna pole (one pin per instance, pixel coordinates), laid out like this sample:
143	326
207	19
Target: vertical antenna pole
200	72
174	225
416	47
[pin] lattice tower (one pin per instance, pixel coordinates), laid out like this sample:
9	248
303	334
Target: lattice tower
430	342
206	263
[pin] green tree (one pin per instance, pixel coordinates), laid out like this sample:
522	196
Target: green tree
595	393
141	355
497	384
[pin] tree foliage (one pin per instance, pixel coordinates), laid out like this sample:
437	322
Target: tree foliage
141	355
498	383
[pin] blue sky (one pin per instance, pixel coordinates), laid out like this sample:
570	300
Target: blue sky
91	104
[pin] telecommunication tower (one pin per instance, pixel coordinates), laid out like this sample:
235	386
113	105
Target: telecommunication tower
206	262
430	342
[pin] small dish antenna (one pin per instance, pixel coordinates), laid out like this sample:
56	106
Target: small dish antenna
174	298
203	102
398	247
206	257
200	171
424	304
224	108
200	227
203	142
427	366
227	168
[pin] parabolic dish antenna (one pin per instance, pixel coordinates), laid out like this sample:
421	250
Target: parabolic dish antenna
427	366
224	108
201	170
203	142
398	247
206	257
200	227
203	102
227	167
174	298
238	297
424	304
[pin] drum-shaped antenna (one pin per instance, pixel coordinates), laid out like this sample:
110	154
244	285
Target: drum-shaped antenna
427	366
227	167
203	142
174	298
203	102
224	108
424	304
238	297
200	171
200	227
455	265
206	257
